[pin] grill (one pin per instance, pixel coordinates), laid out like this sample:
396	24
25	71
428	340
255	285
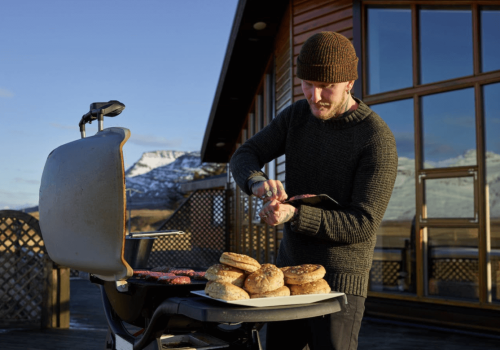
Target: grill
82	219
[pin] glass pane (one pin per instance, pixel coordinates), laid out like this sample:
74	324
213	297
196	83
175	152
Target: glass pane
445	44
490	46
389	49
492	126
449	198
393	267
453	262
449	129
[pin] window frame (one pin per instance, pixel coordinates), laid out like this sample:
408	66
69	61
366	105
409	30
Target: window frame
477	80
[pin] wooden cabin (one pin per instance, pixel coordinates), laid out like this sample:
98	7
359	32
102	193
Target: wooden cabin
430	69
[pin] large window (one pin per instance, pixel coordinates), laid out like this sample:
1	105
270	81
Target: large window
432	72
449	135
389	49
393	263
490	27
445	43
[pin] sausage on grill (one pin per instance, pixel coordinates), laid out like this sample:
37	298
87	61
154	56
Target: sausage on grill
174	280
182	272
199	275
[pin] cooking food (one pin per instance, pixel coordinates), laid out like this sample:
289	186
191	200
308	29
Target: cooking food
199	275
240	261
266	279
154	276
174	280
317	287
157	274
138	273
303	273
182	272
225	273
225	291
280	292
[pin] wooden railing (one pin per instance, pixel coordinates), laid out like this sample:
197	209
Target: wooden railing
34	292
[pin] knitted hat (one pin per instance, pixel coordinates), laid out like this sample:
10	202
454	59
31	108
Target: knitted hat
327	57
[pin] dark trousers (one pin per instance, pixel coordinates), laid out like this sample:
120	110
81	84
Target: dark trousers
337	331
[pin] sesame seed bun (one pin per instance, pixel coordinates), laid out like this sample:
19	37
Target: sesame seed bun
303	273
317	287
280	292
225	291
225	273
240	261
265	279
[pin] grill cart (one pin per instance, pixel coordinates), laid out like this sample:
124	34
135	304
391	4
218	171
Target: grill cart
82	218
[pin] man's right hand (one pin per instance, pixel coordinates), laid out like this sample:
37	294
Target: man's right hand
261	189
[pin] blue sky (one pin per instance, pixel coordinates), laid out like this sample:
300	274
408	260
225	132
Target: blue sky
161	58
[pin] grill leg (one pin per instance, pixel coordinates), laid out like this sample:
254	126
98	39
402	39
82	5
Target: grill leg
256	345
110	342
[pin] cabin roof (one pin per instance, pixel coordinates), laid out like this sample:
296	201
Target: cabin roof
247	54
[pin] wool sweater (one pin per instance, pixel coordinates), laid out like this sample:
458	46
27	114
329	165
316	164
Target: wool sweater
351	158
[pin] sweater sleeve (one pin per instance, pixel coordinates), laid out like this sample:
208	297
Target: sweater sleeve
359	220
268	144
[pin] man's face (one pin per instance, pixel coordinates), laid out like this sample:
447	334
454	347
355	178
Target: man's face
326	100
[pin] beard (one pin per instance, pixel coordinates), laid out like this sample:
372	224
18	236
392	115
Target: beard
333	109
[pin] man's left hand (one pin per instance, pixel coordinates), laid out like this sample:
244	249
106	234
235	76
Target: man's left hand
275	213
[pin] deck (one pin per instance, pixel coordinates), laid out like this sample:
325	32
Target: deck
88	331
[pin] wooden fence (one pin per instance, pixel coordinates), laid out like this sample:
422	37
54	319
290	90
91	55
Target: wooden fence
34	292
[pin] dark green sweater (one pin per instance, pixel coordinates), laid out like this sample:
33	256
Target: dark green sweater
352	159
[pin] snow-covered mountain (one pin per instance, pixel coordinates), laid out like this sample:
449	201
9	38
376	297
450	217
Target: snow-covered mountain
452	197
150	186
152	160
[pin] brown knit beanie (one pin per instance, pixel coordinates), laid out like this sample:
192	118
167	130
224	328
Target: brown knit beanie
327	57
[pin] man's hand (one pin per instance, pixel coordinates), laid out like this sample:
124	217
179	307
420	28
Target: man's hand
260	189
275	213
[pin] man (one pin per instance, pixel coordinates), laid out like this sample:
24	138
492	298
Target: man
336	145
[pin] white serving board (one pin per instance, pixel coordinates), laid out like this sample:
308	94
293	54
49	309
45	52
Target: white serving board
275	301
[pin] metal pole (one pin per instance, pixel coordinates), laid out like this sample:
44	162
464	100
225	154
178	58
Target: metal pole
129	212
129	201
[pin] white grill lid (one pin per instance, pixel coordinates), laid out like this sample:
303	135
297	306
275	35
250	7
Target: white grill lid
82	205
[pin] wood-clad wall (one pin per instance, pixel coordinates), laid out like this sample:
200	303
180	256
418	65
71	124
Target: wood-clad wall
312	16
283	66
284	82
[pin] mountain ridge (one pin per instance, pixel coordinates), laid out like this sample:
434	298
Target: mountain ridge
159	187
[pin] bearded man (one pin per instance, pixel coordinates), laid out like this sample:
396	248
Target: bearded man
335	145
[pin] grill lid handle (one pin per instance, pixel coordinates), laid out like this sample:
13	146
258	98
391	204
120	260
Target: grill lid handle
99	110
156	233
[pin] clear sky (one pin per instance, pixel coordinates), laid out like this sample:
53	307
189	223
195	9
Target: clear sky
161	58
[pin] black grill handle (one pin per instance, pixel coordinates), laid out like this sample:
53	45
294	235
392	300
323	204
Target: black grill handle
99	110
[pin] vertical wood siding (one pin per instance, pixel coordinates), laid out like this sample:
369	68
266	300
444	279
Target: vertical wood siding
284	82
313	16
283	66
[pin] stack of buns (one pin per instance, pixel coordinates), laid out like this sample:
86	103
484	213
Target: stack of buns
306	279
225	280
239	276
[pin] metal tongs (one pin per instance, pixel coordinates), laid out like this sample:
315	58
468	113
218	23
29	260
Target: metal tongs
321	200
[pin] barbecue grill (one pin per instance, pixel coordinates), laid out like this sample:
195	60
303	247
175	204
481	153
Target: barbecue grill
82	217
